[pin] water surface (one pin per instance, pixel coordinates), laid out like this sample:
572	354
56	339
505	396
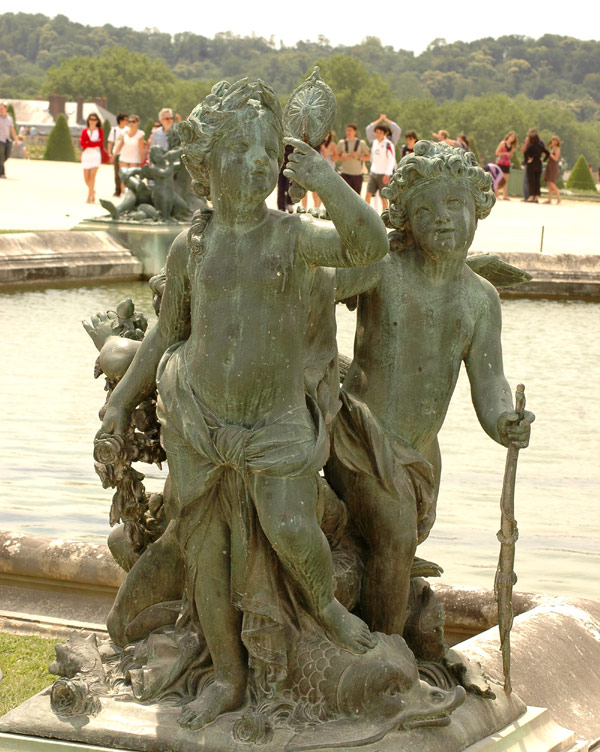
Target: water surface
50	402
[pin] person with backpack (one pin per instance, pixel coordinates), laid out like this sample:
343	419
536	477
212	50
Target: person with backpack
353	153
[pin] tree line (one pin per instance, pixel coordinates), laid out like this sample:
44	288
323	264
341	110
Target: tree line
484	88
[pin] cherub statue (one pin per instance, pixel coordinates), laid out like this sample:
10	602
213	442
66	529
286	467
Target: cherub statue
137	199
422	312
155	199
161	171
244	447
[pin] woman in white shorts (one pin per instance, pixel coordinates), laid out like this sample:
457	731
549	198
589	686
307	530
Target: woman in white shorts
91	140
132	144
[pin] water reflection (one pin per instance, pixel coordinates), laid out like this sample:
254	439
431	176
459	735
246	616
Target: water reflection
50	402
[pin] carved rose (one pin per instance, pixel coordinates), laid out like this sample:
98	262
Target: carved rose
253	728
109	450
72	697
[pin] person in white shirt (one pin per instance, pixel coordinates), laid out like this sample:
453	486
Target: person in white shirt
395	131
132	144
113	139
383	162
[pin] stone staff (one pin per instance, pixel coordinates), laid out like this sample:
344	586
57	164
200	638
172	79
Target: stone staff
507	535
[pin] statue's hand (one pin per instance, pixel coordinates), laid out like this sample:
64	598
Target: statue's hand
100	328
306	166
115	423
515	432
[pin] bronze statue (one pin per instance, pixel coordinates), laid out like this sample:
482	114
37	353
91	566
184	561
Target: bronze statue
244	449
422	312
248	575
156	199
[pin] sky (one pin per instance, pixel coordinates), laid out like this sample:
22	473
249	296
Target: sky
407	26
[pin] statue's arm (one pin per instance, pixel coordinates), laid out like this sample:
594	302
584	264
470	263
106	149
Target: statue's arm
358	236
173	325
490	390
350	282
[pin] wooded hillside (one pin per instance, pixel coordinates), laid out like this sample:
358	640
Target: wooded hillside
485	88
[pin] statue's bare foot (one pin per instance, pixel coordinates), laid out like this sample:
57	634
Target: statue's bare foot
345	629
218	697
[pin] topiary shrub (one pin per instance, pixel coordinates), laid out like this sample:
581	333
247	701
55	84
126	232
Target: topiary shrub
148	127
106	126
59	147
11	111
581	179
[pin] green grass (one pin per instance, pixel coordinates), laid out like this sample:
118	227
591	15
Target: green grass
24	662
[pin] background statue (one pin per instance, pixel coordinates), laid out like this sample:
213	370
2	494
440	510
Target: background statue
155	199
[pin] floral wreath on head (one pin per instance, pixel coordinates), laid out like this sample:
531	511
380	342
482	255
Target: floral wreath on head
210	120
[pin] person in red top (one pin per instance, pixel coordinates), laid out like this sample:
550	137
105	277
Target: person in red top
91	141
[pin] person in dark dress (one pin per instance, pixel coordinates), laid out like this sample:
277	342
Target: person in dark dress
533	159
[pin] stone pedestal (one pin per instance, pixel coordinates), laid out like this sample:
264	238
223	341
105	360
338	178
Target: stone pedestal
154	728
533	731
64	256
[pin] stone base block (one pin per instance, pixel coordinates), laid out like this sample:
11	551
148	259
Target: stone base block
74	257
152	728
534	731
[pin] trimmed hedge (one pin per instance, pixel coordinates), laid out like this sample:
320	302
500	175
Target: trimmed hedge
148	127
581	179
106	128
59	147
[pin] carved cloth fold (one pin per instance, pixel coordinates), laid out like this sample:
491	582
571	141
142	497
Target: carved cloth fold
363	445
219	462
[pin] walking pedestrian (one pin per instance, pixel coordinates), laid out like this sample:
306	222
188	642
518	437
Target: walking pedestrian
7	129
113	139
552	170
91	141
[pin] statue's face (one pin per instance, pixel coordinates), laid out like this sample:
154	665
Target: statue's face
245	160
442	219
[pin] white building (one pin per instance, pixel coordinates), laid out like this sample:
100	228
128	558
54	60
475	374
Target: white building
41	114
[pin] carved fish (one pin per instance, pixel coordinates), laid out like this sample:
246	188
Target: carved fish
358	699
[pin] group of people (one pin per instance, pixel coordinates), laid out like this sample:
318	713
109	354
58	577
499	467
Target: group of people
532	149
351	155
127	146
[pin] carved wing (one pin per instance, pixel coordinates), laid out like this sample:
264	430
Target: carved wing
491	267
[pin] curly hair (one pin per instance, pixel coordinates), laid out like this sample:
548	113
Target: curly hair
215	116
431	162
